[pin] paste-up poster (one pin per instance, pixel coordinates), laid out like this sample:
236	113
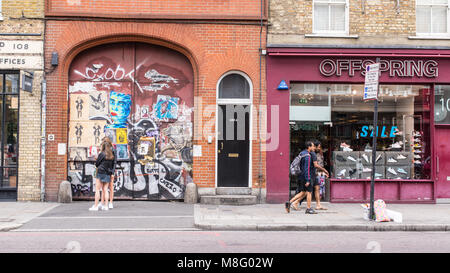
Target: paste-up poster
93	152
146	148
166	107
79	107
121	134
86	133
98	105
111	134
122	151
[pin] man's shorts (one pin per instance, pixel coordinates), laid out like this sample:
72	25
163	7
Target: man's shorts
303	187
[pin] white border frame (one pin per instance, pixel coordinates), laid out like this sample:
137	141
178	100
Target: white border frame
431	34
249	102
328	32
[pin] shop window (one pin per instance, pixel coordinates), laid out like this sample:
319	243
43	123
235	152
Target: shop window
432	17
9	116
234	86
403	134
330	16
442	104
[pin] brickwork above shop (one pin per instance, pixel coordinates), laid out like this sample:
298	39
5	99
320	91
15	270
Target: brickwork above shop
374	22
231	9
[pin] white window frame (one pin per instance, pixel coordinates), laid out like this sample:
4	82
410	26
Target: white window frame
432	34
330	32
1	10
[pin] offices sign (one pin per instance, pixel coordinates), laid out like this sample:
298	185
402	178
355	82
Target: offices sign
21	54
395	68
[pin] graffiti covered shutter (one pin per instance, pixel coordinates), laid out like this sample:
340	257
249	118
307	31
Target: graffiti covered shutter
141	97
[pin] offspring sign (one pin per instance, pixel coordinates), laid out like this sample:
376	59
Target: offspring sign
395	68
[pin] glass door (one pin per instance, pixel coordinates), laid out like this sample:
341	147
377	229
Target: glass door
9	116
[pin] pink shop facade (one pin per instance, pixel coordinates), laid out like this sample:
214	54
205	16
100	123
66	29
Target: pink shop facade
317	94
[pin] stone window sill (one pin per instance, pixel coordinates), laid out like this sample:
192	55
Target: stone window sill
331	36
429	37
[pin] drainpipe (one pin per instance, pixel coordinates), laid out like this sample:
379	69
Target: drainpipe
43	120
260	175
43	138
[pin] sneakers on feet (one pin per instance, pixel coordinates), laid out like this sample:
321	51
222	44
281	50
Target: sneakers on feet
94	208
310	211
105	208
110	206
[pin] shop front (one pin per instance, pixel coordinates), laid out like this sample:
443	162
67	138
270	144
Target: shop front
324	102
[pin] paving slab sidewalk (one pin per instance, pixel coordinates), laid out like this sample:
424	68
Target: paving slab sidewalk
14	214
338	217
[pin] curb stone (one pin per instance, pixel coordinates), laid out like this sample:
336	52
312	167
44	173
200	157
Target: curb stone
364	228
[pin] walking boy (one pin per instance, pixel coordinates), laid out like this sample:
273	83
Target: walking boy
305	179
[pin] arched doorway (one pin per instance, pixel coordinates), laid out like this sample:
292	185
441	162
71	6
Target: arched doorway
234	108
141	96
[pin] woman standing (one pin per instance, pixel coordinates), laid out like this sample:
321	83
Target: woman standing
105	168
111	184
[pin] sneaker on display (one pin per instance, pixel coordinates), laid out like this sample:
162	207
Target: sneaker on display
391	160
417	151
367	170
400	170
346	149
396	145
417	162
417	145
342	172
351	158
378	158
417	156
416	140
378	175
392	171
400	157
366	158
351	172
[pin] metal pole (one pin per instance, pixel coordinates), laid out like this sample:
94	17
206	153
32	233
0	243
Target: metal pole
374	152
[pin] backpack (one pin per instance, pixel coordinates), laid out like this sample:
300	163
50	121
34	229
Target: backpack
296	167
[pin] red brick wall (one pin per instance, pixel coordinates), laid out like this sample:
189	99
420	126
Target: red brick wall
157	8
213	49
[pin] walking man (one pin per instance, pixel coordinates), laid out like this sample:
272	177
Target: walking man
305	179
317	159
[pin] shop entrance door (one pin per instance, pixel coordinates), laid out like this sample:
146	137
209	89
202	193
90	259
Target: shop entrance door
442	162
233	145
302	131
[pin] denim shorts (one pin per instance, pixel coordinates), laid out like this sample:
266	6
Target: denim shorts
105	178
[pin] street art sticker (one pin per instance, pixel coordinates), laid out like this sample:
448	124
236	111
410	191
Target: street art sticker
79	103
143	101
122	152
98	105
121	135
166	108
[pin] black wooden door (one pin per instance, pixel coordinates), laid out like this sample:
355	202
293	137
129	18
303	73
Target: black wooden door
233	145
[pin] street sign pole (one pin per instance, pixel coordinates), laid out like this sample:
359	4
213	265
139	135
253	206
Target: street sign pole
371	88
374	153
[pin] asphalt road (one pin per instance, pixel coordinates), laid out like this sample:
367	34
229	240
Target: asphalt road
224	242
